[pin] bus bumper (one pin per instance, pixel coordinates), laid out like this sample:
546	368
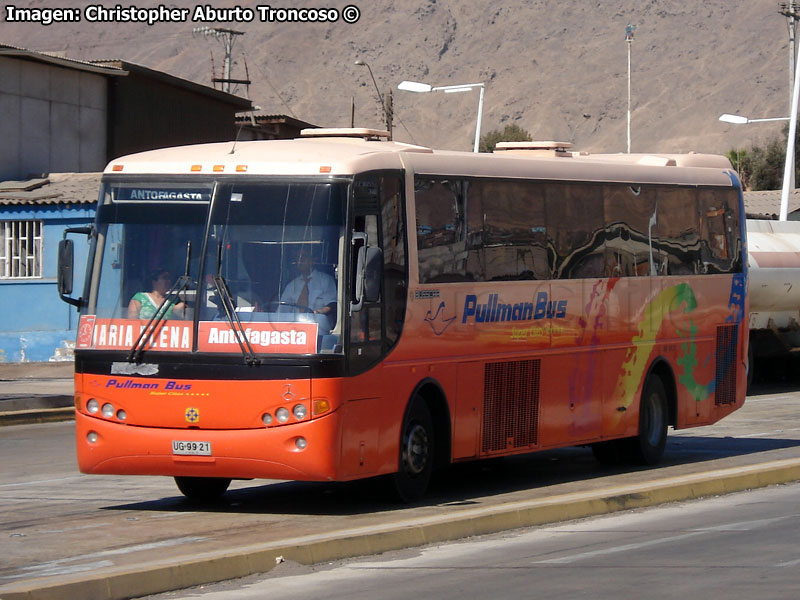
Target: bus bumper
268	453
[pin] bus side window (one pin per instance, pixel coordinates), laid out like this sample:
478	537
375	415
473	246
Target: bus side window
440	230
575	224
720	229
628	213
677	232
506	233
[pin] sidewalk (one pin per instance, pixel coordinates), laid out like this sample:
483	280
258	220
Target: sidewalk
36	392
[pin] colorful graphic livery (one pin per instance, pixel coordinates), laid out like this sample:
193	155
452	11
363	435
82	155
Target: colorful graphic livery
340	306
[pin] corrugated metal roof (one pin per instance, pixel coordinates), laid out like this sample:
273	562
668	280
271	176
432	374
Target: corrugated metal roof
61	61
56	188
767	204
275	119
241	104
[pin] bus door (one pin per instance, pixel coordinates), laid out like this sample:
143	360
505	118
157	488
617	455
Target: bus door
377	287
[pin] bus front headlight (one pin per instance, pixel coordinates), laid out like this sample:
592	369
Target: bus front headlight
282	414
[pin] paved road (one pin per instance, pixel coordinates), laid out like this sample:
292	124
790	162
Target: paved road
738	546
55	521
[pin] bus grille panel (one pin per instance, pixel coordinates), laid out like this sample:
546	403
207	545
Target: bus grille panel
510	405
725	379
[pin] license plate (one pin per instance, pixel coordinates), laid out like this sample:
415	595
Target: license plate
191	448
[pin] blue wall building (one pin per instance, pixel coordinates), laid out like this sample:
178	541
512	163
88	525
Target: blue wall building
35	325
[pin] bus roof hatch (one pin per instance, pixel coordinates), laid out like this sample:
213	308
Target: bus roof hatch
350	132
538	148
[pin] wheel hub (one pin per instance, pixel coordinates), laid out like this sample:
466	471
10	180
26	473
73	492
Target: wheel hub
415	453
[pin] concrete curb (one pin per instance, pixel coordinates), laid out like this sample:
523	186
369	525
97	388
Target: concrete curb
167	575
41	415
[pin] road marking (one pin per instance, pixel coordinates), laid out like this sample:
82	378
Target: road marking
617	549
744	525
767	434
735	526
36	482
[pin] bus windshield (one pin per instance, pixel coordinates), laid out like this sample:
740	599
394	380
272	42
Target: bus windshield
195	260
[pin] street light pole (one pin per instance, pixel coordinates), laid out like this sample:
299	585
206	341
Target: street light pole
415	86
480	118
740	120
789	10
629	39
789	166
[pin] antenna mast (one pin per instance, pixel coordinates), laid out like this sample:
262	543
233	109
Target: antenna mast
227	36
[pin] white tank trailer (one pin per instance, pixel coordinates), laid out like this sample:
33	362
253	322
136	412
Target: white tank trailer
774	286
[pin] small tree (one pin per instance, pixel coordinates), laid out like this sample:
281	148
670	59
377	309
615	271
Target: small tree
742	161
510	133
768	169
761	167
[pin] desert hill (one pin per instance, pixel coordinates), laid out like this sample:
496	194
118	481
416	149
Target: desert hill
555	67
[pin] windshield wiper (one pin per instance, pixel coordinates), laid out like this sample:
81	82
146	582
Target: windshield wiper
170	297
230	312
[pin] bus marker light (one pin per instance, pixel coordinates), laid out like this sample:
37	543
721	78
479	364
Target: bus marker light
324	169
117	167
108	410
122	415
282	414
93	406
92	437
77	401
241	168
196	168
300	411
320	406
267	418
219	168
301	443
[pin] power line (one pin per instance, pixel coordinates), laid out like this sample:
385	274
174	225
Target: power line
277	93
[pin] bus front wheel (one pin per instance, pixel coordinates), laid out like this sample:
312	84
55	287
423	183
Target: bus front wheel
647	447
202	489
416	454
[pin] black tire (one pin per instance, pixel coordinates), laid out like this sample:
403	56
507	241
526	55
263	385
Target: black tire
647	448
417	446
202	489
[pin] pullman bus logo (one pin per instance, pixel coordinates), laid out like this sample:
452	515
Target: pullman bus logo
495	310
192	415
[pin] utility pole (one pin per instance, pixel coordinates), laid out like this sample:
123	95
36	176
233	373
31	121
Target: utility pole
385	100
388	111
790	11
629	39
227	38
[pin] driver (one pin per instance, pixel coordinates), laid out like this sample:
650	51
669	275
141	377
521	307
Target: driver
312	289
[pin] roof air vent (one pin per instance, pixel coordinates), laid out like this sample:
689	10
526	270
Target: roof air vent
546	148
347	132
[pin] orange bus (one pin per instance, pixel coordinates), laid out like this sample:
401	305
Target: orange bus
340	306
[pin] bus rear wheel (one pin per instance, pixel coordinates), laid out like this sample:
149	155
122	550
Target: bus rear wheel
415	464
647	447
202	489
